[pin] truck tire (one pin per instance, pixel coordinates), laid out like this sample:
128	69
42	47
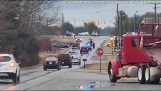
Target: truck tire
148	76
141	74
112	77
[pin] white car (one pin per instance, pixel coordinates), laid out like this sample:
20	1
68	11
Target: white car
9	68
83	33
76	56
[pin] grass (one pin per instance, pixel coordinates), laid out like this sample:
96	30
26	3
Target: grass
43	55
63	39
95	66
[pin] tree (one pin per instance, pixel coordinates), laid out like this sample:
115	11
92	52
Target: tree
90	27
19	23
67	27
79	29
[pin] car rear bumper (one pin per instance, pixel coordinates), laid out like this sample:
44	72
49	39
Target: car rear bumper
7	71
65	64
84	52
52	66
75	60
6	75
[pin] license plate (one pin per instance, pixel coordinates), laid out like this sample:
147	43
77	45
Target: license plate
50	62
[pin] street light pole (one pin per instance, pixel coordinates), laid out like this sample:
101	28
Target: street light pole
62	18
118	19
135	21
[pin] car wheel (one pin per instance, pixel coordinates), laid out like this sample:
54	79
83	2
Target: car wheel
44	68
18	77
15	78
59	67
93	45
79	63
70	66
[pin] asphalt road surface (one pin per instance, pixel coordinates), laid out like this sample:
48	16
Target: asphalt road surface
72	78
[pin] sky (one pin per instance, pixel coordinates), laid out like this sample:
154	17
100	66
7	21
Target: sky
102	13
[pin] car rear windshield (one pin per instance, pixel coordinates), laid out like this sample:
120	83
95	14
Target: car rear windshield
75	45
51	59
64	55
71	52
84	48
5	58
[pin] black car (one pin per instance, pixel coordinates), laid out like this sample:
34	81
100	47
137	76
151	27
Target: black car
60	45
84	50
51	63
65	60
75	46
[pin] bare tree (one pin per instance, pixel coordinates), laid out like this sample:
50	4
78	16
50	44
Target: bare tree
35	13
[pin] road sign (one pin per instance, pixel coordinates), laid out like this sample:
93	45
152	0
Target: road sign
99	51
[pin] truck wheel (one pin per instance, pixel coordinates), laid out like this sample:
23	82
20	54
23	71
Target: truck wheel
148	76
141	74
112	77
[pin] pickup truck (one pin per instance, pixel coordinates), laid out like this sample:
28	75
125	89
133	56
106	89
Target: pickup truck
65	60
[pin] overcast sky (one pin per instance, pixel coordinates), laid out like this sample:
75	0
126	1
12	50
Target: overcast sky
101	12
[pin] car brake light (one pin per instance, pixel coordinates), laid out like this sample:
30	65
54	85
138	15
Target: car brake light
56	62
12	64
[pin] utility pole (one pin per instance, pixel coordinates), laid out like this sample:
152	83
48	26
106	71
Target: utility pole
121	32
155	10
118	19
135	21
118	24
62	18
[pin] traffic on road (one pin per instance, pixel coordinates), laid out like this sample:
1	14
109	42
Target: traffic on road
80	45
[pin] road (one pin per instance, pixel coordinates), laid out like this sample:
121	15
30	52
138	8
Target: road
72	79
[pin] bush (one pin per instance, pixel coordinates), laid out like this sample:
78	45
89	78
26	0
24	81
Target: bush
24	46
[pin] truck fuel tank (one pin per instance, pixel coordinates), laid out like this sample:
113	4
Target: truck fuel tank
128	71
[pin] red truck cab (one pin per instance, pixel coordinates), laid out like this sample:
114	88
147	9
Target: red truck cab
139	55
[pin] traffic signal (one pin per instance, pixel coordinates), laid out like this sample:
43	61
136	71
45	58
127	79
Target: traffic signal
112	41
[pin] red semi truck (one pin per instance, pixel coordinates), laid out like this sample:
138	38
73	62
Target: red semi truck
139	55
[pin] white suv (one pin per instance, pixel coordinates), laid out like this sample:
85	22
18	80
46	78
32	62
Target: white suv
9	68
76	56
